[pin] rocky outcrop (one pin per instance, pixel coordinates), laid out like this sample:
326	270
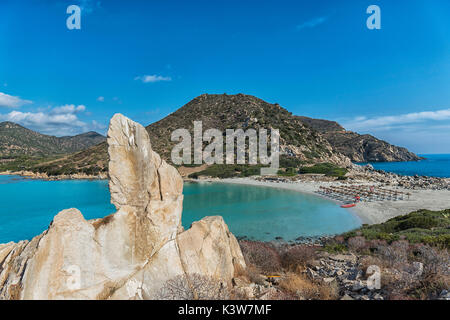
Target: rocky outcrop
130	254
369	174
367	148
357	147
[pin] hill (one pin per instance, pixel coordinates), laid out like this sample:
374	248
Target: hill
359	148
17	141
221	112
244	112
303	139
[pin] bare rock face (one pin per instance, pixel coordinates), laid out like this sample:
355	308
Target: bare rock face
130	254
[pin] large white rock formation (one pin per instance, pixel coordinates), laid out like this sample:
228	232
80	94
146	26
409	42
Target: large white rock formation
131	253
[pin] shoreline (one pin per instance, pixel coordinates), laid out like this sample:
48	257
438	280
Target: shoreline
43	176
368	212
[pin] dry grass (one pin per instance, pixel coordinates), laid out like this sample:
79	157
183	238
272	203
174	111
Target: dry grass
401	278
408	271
302	287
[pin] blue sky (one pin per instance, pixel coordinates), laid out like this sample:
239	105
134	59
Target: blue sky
146	59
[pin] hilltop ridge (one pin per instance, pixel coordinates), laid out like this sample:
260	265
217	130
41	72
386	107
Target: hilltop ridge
305	139
17	141
220	111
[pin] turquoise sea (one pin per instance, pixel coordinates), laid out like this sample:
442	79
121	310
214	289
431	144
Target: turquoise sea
434	165
28	206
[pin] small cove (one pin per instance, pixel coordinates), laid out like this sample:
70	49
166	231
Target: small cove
261	213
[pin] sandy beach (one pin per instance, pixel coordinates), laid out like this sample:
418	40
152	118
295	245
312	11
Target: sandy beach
368	212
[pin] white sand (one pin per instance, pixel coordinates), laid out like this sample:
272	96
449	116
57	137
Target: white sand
368	212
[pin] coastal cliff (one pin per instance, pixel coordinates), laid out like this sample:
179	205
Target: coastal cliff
130	254
359	148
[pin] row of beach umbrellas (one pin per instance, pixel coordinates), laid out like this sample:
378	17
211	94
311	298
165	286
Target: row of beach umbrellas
358	193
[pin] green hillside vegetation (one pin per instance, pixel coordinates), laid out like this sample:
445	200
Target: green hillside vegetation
288	172
228	171
91	161
289	167
423	226
327	169
17	141
222	111
23	163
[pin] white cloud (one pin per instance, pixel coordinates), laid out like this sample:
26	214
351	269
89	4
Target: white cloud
88	6
420	132
59	121
312	23
101	99
389	122
12	102
68	109
152	78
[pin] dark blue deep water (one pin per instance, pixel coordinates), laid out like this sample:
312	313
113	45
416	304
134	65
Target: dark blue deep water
435	165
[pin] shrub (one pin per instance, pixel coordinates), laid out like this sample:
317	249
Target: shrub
228	171
328	169
289	161
422	222
193	175
333	247
193	287
288	172
262	255
395	254
357	243
423	226
297	256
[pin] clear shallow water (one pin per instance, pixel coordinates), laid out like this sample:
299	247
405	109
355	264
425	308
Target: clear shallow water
28	206
435	165
263	213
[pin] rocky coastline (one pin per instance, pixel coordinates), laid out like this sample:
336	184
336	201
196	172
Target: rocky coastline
369	174
45	176
135	253
366	174
142	251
